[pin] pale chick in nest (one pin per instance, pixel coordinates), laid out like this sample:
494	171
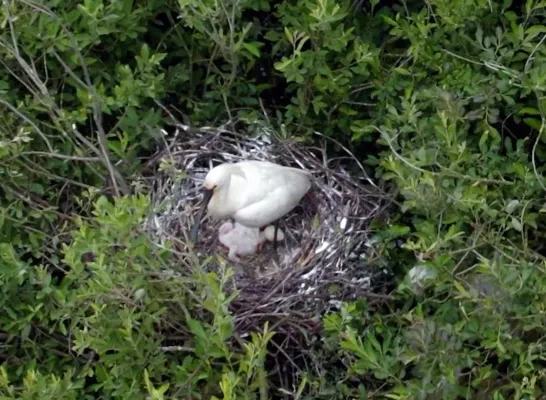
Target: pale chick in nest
241	240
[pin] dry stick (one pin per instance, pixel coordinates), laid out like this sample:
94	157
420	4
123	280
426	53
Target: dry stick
101	135
543	122
172	349
97	113
350	153
29	71
33	75
448	172
528	61
189	379
30	122
61	156
40	170
45	104
29	201
14	74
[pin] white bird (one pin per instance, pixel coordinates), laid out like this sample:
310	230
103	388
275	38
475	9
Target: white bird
253	193
241	240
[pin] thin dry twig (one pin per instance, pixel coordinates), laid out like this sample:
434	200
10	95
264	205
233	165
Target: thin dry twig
41	93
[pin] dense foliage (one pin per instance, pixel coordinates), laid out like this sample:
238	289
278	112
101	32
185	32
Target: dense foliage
445	100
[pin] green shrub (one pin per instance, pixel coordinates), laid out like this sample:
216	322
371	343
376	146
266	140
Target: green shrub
444	101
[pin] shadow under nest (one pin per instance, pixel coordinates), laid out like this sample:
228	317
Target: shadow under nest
326	251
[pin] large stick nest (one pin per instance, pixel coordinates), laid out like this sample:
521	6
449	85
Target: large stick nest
325	255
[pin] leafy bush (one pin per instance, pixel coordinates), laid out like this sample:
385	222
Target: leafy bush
442	100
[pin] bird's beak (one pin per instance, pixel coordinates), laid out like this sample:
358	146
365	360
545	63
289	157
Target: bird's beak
195	230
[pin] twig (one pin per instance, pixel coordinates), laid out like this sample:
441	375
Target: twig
389	141
172	349
120	186
61	156
30	122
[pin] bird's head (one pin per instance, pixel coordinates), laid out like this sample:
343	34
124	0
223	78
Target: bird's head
215	179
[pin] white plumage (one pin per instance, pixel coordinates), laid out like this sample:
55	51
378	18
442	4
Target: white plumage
253	193
239	239
242	241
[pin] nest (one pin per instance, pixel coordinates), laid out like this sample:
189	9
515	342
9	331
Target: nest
324	258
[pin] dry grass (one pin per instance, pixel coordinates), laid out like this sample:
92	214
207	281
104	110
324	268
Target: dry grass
324	258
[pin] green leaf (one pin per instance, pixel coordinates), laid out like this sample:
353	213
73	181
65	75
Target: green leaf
37	188
528	111
533	31
252	49
301	42
479	35
25	332
511	206
390	21
461	289
289	35
197	329
281	65
402	71
533	123
516	224
116	147
145	52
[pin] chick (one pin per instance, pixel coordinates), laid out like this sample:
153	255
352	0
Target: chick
241	240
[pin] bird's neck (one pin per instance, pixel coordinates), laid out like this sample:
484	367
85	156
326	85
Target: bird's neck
221	204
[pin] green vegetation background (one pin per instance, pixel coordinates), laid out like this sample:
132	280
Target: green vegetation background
444	100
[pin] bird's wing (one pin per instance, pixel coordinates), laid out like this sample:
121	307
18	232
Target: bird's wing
256	180
267	210
266	166
268	194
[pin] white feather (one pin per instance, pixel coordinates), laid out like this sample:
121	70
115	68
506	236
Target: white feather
255	193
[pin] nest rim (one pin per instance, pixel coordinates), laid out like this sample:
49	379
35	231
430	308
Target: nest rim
300	291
